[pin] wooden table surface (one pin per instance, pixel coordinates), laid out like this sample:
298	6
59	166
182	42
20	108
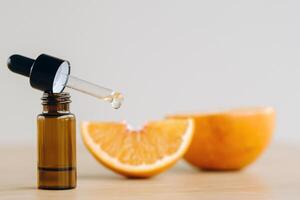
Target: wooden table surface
274	176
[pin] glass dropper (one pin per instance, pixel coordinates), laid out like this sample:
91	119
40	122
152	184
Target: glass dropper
113	97
52	74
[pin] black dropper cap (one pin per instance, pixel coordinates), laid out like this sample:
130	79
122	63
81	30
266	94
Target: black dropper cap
46	73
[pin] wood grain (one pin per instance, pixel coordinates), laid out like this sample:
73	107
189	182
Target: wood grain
274	176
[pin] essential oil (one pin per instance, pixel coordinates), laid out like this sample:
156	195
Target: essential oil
56	143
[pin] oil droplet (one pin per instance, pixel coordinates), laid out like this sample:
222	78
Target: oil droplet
115	99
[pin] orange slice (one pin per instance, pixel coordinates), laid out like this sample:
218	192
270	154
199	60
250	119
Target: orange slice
138	153
231	139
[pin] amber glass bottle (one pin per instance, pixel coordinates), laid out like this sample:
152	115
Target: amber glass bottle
56	143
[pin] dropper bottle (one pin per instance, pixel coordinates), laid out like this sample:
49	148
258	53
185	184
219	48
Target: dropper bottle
56	125
48	73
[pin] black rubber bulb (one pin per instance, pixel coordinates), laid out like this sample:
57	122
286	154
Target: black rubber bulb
20	64
46	73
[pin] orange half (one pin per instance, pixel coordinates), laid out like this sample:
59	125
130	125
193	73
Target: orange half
138	153
229	140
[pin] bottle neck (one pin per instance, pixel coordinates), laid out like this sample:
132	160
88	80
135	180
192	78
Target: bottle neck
57	103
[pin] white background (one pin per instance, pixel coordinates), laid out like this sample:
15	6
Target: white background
166	56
